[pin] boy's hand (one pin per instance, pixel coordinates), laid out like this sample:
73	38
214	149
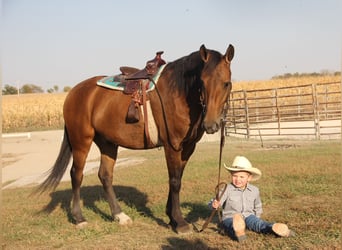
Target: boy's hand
215	204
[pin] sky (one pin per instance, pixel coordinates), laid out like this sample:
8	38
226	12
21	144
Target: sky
63	42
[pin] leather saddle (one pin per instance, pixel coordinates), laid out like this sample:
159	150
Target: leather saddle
132	78
135	83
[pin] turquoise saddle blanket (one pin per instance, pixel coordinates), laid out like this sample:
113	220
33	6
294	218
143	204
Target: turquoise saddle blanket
108	82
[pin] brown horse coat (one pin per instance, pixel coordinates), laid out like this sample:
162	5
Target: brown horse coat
188	100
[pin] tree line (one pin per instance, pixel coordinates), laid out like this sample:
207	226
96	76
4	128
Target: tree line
29	89
294	75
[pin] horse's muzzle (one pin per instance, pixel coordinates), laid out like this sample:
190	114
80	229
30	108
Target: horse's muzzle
211	127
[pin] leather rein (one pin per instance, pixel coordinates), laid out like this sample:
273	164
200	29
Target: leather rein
202	103
221	186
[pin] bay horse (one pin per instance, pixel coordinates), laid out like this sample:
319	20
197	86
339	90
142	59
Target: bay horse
189	99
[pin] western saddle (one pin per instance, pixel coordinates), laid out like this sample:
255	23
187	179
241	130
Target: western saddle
136	83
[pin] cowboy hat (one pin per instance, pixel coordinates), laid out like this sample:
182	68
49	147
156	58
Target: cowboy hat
241	163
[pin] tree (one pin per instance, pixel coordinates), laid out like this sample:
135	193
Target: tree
31	88
53	90
9	90
66	89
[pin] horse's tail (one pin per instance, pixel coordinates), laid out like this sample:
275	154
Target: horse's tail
56	173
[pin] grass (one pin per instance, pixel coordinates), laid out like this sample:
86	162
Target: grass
300	186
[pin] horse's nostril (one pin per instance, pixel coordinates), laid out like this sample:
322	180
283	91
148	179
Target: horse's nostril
211	128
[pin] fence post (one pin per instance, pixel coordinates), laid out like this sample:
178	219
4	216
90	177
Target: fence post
326	102
274	105
316	111
233	118
256	108
277	109
299	102
246	113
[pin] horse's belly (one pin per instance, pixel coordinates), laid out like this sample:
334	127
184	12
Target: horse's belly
128	135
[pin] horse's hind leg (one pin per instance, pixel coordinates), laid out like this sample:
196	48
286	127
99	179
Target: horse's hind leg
109	154
76	173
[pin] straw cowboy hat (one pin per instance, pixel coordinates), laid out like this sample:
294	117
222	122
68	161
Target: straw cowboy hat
241	163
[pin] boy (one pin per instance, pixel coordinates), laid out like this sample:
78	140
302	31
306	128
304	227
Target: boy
242	205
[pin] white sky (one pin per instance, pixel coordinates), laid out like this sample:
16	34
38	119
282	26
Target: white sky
62	42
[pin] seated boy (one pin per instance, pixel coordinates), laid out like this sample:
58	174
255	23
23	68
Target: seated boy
241	204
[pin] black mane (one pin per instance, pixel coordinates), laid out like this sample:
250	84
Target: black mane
186	71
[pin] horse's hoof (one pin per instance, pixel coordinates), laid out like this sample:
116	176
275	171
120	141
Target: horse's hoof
185	229
81	225
123	219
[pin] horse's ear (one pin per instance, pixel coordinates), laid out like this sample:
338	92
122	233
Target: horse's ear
229	53
204	53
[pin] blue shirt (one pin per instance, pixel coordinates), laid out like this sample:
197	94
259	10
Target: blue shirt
245	202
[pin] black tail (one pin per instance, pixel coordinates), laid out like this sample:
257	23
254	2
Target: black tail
57	171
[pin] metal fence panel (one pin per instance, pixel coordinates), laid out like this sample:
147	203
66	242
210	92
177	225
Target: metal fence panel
312	111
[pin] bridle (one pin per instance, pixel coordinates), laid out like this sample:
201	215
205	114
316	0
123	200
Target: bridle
203	103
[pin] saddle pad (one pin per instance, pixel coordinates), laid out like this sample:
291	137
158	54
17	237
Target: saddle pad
108	82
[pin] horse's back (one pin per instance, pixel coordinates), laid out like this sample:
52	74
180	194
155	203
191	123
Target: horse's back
78	102
87	96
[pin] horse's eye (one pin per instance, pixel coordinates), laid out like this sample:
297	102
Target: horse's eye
227	84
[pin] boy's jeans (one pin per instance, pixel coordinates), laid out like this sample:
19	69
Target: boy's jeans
253	223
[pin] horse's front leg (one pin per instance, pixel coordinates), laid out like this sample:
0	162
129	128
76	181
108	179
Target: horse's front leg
175	169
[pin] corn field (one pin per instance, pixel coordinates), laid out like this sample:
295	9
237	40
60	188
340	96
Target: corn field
31	112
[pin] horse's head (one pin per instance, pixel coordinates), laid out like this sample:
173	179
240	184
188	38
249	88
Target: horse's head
216	78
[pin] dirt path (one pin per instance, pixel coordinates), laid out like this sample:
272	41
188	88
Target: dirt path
26	159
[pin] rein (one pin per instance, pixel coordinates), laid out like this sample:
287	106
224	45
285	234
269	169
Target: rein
222	139
218	196
164	115
164	118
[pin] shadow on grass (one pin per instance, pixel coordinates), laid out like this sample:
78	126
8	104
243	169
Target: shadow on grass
179	243
131	196
199	211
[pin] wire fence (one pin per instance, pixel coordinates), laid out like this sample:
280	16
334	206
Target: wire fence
312	111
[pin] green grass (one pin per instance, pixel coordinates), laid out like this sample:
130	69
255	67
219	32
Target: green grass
300	186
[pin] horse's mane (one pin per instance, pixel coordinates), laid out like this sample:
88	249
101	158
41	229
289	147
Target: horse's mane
186	71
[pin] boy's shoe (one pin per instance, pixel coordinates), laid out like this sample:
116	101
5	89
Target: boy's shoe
282	230
239	227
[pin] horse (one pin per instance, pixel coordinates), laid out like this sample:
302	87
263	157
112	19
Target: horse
188	100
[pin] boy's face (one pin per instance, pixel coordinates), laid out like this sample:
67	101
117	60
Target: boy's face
240	179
